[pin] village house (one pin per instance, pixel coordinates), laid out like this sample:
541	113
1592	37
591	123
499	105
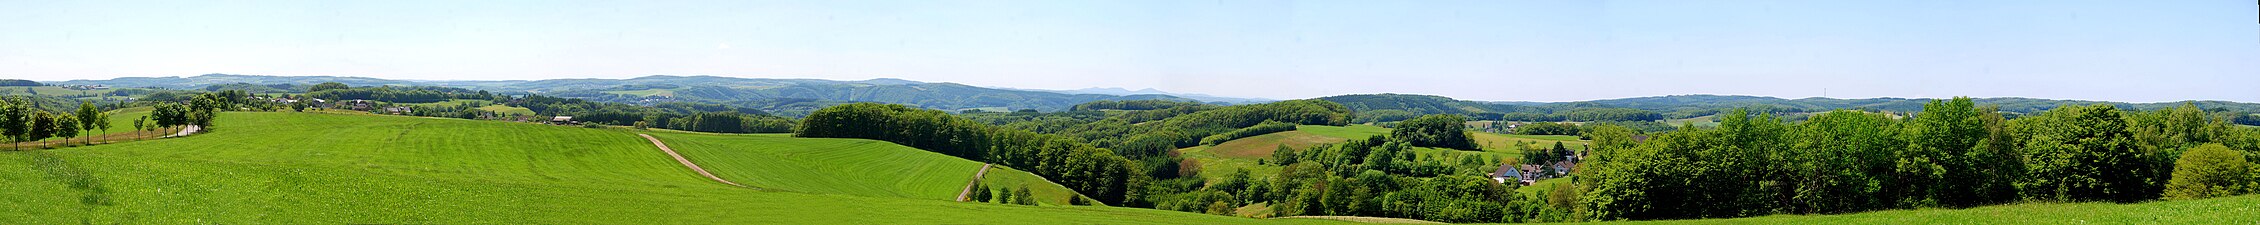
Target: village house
1507	173
563	120
359	105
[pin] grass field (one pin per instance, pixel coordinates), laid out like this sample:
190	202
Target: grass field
453	103
843	166
1046	191
307	168
1248	153
1700	121
508	110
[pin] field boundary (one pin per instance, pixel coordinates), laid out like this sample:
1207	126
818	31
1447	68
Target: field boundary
687	162
976	179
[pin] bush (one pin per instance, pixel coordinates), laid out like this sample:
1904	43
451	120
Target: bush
1441	131
2209	171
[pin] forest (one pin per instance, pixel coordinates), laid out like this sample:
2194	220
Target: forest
1950	154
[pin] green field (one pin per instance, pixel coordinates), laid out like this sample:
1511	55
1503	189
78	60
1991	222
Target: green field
842	166
508	110
307	168
453	103
1217	162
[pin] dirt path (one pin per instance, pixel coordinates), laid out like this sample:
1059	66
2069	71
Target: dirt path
976	179
191	129
687	162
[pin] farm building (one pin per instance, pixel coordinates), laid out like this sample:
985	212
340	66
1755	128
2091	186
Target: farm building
1509	173
562	120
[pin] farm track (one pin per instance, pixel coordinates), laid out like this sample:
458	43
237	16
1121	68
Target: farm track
976	179
687	162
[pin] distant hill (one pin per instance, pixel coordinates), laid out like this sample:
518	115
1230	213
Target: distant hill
1686	106
1421	104
1151	91
201	81
785	96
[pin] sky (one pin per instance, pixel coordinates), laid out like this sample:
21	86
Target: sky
2136	51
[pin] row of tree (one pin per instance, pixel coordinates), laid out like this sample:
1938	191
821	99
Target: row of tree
1439	130
1149	104
19	122
1089	170
1267	127
1952	154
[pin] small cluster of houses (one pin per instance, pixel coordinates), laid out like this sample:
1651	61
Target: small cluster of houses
381	108
1527	174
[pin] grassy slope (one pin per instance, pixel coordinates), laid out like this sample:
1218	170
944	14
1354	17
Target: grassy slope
1223	159
1046	191
2230	210
506	110
302	168
844	166
830	166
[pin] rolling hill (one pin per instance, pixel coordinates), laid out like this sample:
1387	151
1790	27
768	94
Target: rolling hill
844	166
299	168
776	95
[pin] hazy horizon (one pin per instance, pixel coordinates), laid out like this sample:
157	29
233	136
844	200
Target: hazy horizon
1476	50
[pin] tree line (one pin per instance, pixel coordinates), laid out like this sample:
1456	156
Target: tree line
1095	172
1148	104
1951	154
20	122
1267	127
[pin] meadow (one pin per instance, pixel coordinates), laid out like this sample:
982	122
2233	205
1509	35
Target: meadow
305	168
843	166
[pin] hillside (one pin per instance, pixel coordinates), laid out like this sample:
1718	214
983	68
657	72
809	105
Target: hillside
301	168
843	166
787	96
1392	107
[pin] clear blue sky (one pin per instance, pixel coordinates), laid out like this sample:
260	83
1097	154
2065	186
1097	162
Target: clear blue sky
2142	51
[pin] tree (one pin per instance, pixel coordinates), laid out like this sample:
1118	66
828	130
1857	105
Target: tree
1440	130
42	126
980	192
66	126
15	121
1005	196
104	123
139	125
167	115
2210	170
1970	143
2084	153
327	86
1023	196
87	116
203	109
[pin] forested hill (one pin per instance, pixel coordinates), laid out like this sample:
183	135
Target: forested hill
785	96
1391	107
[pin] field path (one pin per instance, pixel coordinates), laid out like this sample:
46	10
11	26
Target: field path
976	179
687	162
185	131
